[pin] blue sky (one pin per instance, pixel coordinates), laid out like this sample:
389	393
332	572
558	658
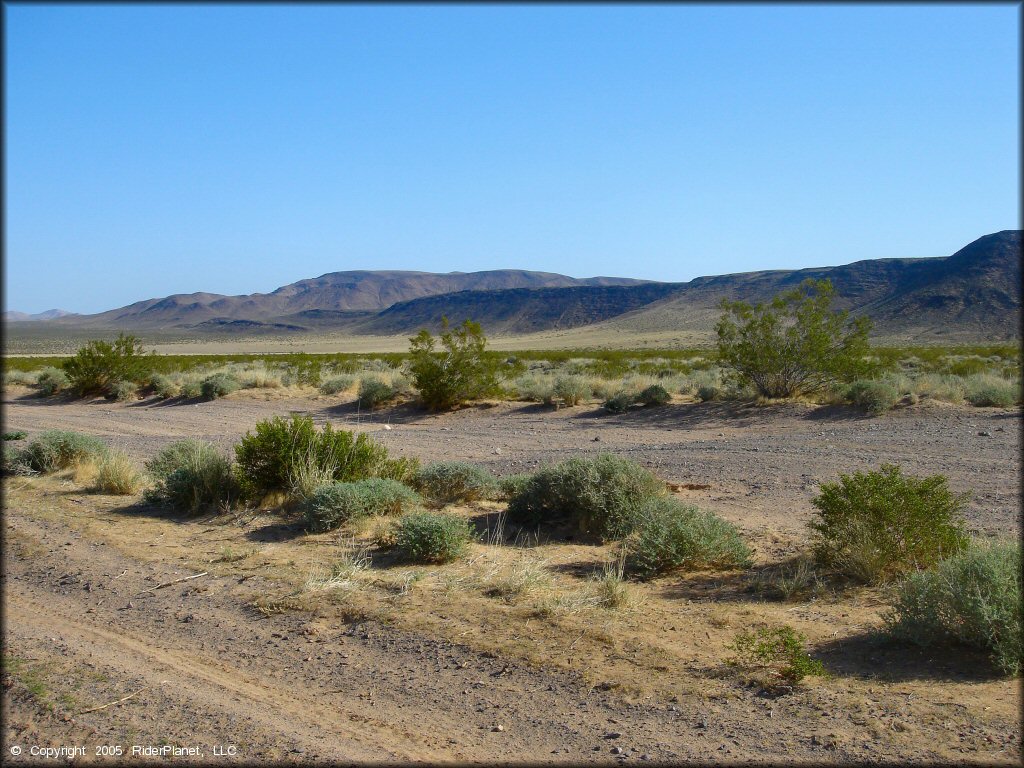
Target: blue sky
158	149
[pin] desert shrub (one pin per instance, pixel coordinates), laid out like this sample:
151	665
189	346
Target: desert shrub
258	378
331	506
191	475
402	469
117	474
99	365
218	385
620	402
15	435
431	537
539	389
655	394
572	389
968	366
988	390
124	391
459	373
374	392
22	378
191	386
336	384
973	598
15	461
874	526
58	449
163	386
50	381
776	655
669	535
709	392
795	344
445	482
512	485
601	495
266	460
873	395
949	389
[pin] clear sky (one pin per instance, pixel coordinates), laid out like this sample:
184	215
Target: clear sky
158	149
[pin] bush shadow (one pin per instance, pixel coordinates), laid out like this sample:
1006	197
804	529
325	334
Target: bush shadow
874	655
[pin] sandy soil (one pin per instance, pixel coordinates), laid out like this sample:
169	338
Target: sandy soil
424	664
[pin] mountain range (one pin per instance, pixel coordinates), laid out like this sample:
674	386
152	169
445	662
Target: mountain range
973	294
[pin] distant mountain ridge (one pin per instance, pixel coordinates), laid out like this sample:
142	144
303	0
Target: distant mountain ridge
50	314
972	295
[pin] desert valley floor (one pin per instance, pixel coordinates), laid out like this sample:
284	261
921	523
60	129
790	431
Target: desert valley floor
427	663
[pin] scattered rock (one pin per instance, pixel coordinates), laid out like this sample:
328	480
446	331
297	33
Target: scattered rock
984	433
497	728
613	735
617	750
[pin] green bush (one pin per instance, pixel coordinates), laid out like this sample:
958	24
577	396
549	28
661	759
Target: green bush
973	598
15	461
776	654
58	449
124	391
654	395
670	535
163	386
15	435
795	344
992	391
99	365
601	495
191	387
873	395
50	381
432	537
267	460
620	402
708	392
331	506
218	385
336	384
572	389
445	482
374	392
539	389
874	526
512	485
192	475
461	372
24	378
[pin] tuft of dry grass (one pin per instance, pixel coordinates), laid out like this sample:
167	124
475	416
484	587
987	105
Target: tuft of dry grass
117	474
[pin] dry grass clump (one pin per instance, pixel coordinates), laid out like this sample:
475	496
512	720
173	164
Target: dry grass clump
527	575
116	474
342	574
988	390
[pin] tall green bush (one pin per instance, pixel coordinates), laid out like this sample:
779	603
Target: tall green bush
458	372
875	526
267	458
794	344
98	366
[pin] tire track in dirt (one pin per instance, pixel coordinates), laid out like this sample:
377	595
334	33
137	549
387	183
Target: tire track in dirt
344	735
